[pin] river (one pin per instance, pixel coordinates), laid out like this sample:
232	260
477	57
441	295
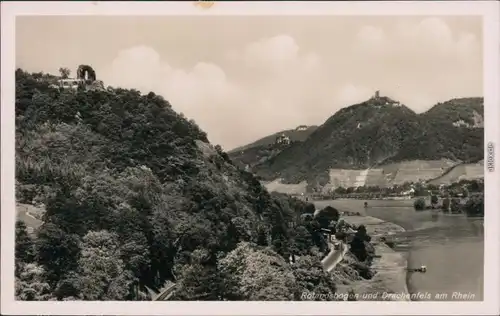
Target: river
451	246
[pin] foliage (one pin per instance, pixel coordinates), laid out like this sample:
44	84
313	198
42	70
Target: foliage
434	200
446	205
256	274
65	72
31	284
24	251
311	277
327	215
358	245
475	206
134	193
419	204
456	206
101	270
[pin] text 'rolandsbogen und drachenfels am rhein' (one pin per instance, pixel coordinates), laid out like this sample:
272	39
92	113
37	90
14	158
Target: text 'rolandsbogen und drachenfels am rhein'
459	296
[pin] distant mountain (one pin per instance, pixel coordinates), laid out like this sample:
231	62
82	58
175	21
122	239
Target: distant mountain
380	131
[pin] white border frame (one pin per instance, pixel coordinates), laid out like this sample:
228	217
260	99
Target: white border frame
488	9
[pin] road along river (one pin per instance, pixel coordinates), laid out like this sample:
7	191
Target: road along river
451	246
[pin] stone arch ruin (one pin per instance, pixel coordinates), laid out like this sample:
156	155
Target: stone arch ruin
85	72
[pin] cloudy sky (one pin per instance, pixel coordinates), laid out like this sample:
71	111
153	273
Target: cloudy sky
242	78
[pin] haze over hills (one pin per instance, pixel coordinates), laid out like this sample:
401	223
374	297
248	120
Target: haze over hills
375	133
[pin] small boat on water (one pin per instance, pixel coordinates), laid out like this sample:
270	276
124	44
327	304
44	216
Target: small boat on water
422	269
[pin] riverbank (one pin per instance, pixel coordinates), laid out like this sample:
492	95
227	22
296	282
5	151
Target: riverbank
389	280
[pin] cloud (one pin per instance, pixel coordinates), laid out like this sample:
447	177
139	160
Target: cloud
274	80
274	55
202	92
425	60
429	39
274	83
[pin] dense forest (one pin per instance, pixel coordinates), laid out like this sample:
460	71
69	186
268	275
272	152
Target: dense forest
135	196
372	133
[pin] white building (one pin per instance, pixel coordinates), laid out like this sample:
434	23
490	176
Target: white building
283	139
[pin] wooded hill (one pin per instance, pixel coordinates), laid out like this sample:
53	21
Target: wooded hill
376	132
136	196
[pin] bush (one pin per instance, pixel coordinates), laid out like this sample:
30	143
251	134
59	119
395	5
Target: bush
419	204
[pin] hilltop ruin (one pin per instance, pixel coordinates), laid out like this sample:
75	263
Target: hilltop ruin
85	77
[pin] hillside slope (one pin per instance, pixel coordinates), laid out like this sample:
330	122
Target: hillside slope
135	196
377	132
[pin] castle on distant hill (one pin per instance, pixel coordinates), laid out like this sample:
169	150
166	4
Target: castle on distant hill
382	100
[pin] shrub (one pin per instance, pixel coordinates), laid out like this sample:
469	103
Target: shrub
419	204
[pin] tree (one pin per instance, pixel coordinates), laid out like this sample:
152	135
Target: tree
199	281
65	72
56	251
434	200
358	246
310	208
326	215
446	205
301	241
31	285
340	190
475	206
456	206
102	271
251	273
24	246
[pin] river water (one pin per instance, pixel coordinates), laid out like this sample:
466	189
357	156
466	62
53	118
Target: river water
451	246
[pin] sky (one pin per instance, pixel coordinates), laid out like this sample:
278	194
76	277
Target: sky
244	77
